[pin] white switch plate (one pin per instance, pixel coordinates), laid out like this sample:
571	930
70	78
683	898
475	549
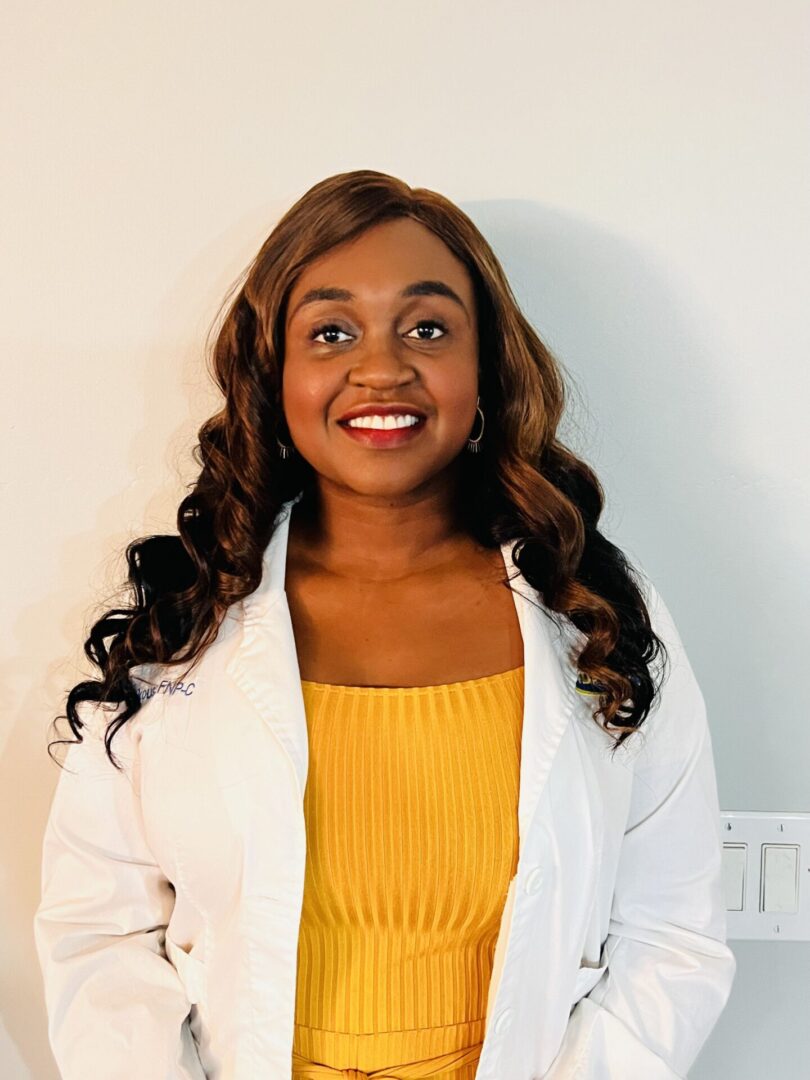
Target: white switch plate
756	829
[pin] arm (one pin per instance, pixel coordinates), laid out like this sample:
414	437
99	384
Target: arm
669	970
116	1006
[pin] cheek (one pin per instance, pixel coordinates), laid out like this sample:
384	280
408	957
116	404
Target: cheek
306	392
454	393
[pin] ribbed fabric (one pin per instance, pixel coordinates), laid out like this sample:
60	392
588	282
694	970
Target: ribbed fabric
412	839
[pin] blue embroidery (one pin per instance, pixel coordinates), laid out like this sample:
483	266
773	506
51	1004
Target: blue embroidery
168	687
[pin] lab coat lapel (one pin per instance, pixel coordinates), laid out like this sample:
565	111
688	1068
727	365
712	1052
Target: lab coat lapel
548	691
265	665
265	662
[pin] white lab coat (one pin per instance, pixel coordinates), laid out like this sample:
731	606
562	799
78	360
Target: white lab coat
171	894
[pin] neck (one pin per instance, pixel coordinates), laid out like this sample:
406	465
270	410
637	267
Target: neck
375	537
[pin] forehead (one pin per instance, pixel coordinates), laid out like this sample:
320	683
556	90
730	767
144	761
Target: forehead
382	260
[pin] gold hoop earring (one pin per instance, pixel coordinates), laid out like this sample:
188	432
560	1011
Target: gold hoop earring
283	450
474	445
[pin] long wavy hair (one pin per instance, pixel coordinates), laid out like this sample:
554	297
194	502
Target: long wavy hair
524	485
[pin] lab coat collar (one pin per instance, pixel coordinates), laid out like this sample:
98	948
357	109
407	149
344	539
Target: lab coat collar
265	665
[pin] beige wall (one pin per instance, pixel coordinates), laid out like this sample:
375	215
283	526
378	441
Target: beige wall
642	170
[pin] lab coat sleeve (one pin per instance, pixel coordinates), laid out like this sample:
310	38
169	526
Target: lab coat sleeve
669	971
116	1006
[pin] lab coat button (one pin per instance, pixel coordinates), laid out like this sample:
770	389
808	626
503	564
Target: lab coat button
534	881
503	1020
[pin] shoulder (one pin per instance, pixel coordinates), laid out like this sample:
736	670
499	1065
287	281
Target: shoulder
676	723
676	727
155	682
158	683
679	684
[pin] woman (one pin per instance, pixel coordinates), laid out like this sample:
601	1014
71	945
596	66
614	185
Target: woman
401	785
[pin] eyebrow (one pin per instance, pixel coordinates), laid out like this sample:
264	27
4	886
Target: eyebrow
426	287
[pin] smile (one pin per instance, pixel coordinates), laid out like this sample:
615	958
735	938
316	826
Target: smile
381	432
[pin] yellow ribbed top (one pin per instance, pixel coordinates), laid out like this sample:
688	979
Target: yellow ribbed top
412	839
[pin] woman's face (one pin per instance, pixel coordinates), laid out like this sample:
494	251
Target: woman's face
387	318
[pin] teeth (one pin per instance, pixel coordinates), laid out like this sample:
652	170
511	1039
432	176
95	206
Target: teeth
383	422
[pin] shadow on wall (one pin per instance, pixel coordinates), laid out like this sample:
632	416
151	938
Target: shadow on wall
656	409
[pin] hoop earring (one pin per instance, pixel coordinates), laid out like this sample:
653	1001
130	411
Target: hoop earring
283	450
474	445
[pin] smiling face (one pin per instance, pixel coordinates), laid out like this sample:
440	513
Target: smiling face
388	318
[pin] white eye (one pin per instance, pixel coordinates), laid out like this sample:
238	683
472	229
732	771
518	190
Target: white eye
430	324
328	328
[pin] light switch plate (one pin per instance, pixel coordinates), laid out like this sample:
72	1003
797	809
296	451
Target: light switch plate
756	830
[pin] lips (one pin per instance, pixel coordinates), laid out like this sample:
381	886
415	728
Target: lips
383	438
390	408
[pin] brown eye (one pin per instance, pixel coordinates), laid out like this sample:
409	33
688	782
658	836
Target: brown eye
327	328
430	324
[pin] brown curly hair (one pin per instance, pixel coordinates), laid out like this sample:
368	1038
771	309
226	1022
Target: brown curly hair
525	485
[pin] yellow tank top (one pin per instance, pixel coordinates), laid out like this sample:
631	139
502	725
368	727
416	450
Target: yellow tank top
412	839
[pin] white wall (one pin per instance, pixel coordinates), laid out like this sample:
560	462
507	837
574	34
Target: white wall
642	170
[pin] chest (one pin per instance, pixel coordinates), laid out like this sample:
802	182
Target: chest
460	626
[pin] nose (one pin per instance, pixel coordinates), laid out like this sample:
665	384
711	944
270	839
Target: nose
381	376
380	363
